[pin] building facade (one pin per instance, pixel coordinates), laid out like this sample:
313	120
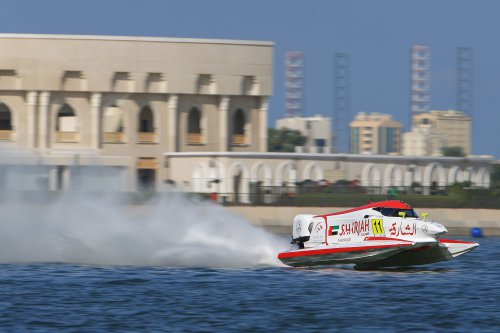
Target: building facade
423	140
119	103
375	133
130	113
238	176
453	126
317	130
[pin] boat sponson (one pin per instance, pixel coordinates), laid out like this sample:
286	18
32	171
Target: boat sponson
342	255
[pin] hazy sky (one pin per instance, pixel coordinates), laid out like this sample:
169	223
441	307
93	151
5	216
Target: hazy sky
378	35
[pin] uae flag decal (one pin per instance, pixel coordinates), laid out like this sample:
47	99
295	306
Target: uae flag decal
333	230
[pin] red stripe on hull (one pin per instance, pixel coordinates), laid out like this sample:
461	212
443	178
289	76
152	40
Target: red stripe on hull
375	238
305	253
455	241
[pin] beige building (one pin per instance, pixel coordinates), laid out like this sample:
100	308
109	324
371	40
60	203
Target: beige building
454	126
423	140
317	130
243	176
98	113
71	102
375	133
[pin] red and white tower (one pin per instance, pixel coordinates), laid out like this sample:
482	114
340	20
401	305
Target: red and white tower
420	79
294	83
465	73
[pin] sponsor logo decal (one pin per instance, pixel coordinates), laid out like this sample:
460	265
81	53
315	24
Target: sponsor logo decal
403	229
344	240
333	230
360	228
378	227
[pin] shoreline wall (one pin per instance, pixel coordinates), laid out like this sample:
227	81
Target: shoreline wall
278	219
459	221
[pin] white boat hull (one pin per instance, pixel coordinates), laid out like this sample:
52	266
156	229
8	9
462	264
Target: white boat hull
332	256
443	251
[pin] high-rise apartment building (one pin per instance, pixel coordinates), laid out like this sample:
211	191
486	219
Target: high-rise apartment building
375	133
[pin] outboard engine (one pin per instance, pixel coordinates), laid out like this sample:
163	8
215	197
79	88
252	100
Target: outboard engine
302	225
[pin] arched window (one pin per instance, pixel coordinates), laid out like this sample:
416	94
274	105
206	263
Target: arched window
113	125
194	126
239	121
146	124
5	118
194	120
66	125
113	119
66	119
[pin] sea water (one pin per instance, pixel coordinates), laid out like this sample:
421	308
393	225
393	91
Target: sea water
85	265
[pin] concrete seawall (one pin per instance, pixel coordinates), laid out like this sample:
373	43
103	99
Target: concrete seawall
458	221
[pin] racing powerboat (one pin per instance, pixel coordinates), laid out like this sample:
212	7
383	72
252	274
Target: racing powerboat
380	234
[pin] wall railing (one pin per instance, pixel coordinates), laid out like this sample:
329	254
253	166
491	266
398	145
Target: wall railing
194	138
66	137
239	139
428	197
6	135
146	137
113	137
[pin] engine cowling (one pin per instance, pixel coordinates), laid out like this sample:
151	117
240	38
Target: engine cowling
302	225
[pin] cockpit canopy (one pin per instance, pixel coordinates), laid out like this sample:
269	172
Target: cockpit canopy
388	211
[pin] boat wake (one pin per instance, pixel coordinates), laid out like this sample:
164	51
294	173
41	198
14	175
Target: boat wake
171	230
